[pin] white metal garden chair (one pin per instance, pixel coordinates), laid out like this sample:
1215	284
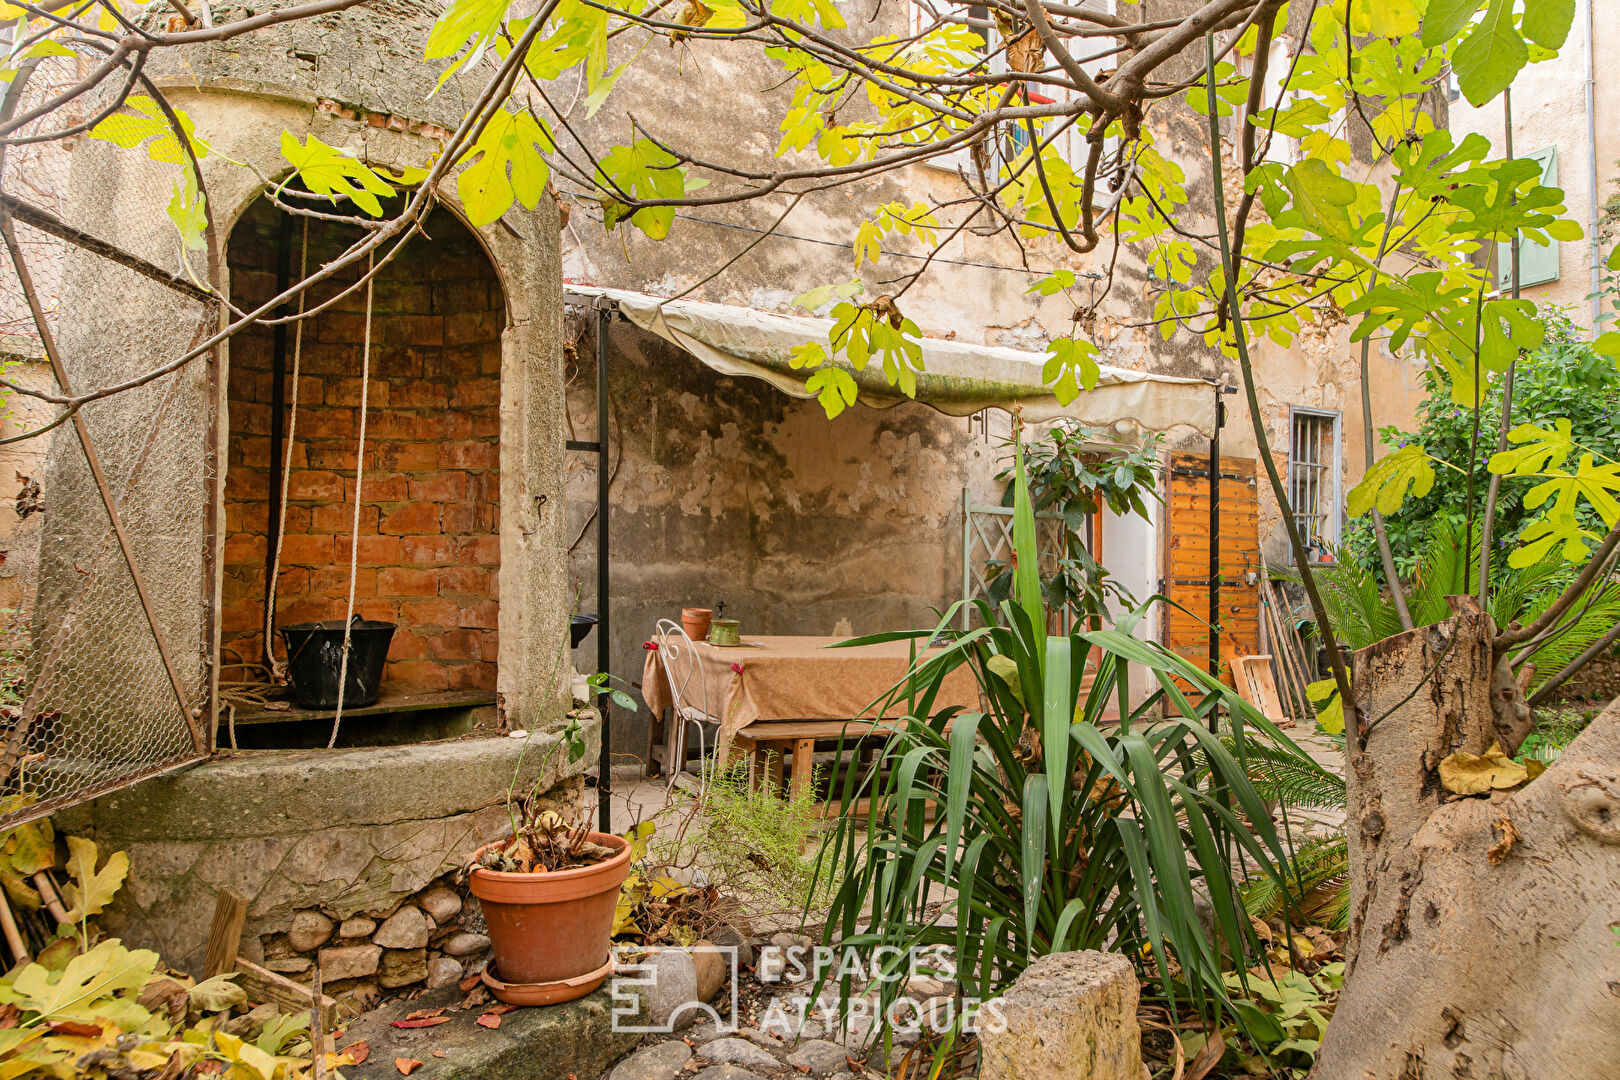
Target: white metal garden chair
693	709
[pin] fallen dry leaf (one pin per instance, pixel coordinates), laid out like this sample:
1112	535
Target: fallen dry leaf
1208	1056
470	981
489	1020
424	1014
1476	774
74	1027
441	1053
406	1066
502	1010
426	1021
357	1052
1499	850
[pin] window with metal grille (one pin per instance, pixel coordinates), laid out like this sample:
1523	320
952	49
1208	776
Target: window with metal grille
1313	479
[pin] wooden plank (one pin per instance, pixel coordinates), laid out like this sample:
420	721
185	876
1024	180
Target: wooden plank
265	986
804	757
386	703
225	934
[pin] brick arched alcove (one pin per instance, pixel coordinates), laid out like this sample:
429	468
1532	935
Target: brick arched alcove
429	525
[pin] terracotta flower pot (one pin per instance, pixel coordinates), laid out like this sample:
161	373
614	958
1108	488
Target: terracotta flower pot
552	928
695	621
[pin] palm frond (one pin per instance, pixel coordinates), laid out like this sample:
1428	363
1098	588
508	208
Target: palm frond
1281	776
1314	878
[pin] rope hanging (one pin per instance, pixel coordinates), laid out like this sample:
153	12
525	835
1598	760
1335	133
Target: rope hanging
359	477
278	668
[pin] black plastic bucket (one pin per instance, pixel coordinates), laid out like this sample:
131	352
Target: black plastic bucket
315	656
578	627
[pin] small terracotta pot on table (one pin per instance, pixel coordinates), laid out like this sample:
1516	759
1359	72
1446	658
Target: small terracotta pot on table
695	621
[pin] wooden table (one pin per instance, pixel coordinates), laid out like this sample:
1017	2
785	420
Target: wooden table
776	696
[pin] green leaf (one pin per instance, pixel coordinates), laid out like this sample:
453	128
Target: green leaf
807	354
644	170
1034	851
1493	53
1070	367
506	165
90	890
1538	449
1322	197
1388	18
1026	552
1386	483
466	24
1331	716
84	989
1547	22
188	211
146	121
326	170
834	388
1445	19
216	994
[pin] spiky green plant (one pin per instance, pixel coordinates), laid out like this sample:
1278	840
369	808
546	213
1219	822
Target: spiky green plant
1058	829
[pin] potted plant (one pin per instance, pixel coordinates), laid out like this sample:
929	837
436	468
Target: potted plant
548	893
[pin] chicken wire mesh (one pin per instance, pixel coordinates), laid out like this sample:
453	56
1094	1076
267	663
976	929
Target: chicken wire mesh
105	661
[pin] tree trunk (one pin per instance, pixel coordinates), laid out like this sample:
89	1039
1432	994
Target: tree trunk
1482	929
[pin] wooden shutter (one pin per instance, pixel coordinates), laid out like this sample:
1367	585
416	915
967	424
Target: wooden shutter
1186	559
1538	263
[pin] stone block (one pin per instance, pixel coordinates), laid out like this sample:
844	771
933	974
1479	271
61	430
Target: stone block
309	931
465	943
357	927
349	962
673	989
442	904
407	928
402	967
661	1061
442	971
1068	1014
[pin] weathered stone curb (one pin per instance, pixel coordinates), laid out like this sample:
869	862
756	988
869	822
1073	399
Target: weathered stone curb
285	792
547	1043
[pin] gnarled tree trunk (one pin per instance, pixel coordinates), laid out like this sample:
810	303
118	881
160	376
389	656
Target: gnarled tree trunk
1482	936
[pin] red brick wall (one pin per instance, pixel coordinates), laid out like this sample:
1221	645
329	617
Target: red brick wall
429	550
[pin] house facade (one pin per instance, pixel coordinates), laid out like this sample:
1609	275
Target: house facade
728	491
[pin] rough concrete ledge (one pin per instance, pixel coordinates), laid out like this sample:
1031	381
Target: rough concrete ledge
263	793
551	1043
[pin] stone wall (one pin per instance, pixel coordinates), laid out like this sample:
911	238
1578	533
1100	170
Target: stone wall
432	938
358	834
429	548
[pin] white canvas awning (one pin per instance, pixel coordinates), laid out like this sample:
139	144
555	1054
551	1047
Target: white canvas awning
958	378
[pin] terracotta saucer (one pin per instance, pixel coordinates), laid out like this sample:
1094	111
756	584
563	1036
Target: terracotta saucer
547	993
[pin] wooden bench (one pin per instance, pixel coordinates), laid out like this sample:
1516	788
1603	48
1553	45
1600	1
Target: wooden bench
768	744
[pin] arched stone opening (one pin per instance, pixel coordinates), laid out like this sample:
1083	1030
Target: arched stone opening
428	555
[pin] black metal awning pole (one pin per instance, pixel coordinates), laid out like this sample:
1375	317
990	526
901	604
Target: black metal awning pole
604	779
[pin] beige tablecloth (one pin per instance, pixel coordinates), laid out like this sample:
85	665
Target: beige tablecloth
791	678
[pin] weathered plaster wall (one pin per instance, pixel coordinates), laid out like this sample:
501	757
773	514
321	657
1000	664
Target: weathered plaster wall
684	488
1549	109
725	490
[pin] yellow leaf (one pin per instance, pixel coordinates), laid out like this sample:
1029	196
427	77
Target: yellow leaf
90	891
1476	774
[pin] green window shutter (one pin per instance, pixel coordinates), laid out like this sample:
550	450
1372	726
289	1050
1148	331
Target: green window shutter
1538	263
